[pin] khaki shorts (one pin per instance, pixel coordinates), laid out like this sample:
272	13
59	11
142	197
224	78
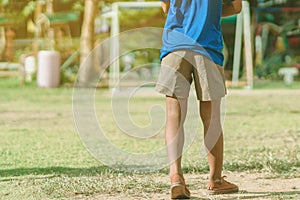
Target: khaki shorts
180	68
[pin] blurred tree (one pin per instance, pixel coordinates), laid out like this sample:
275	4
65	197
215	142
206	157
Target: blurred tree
87	41
89	71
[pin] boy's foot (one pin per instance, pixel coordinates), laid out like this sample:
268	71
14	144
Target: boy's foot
221	187
179	189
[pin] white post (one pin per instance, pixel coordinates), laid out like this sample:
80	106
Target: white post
243	25
49	6
237	49
114	47
248	44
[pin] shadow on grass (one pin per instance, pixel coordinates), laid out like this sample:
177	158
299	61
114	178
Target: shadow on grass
55	171
10	174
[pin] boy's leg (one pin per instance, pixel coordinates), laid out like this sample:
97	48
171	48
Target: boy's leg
176	113
210	116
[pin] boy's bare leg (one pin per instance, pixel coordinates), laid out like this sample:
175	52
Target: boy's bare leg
176	113
210	115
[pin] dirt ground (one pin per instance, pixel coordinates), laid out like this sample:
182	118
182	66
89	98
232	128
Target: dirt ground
252	186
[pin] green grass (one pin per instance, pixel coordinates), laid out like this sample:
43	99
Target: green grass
266	84
271	85
42	157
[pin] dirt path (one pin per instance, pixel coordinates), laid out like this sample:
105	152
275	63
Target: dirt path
252	186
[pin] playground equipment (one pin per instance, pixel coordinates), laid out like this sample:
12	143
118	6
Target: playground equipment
288	74
54	29
277	42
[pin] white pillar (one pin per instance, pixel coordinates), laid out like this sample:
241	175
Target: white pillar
237	49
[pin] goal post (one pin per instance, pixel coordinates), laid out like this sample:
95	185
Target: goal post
114	73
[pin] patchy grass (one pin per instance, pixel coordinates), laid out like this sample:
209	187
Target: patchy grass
42	157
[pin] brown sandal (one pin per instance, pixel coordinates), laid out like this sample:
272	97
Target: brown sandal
221	186
179	189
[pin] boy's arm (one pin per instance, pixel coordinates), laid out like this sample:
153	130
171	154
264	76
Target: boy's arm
231	7
165	5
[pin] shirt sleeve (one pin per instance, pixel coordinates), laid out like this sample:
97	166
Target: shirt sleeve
165	0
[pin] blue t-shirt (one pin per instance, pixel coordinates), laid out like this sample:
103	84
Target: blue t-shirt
194	25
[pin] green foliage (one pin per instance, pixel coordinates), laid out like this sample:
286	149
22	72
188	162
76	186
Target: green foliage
29	8
269	68
78	6
134	18
4	3
17	12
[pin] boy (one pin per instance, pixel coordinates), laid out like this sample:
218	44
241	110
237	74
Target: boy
192	50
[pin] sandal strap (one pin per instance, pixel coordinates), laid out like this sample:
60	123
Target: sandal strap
177	178
220	180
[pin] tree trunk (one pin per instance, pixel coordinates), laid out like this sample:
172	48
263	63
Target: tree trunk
88	68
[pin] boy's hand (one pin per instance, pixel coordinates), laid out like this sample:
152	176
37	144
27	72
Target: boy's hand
165	5
231	7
